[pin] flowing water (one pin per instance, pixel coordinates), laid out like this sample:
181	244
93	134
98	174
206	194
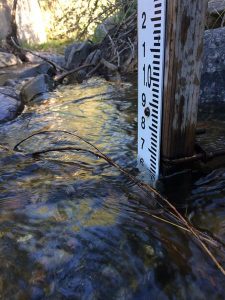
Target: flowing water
73	227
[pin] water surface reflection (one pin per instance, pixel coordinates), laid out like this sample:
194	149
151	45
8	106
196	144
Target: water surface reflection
73	227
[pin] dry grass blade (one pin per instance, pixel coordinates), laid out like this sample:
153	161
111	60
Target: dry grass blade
61	149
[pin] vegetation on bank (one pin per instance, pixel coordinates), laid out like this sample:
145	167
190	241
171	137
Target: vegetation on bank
69	21
79	19
52	46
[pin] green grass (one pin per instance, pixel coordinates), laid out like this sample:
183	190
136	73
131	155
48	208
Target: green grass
53	46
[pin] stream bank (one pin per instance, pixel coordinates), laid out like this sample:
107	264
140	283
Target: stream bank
84	60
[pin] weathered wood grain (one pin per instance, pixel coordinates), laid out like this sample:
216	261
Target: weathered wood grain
184	34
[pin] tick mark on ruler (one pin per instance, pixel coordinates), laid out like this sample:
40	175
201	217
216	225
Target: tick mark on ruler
156	19
155	50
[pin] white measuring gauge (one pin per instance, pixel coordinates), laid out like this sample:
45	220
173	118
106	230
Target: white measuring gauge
151	51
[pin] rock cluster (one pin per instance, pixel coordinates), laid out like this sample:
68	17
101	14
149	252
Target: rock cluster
216	14
8	60
10	104
21	85
213	72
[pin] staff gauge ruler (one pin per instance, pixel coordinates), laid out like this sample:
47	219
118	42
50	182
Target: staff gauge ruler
151	52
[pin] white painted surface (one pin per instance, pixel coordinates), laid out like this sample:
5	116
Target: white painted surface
151	51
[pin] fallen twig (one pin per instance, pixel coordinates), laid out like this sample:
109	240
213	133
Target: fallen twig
59	78
61	149
55	66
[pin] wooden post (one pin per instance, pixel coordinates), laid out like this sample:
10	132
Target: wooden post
184	44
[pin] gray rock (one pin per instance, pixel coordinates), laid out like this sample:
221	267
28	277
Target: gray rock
76	54
30	22
103	29
213	87
216	6
11	82
10	105
216	14
59	59
214	50
213	72
80	76
93	58
26	71
44	68
5	17
7	59
35	87
8	91
53	258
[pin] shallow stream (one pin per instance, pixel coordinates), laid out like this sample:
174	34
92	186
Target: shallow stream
73	227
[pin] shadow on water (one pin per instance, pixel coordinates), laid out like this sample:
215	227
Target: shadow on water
73	227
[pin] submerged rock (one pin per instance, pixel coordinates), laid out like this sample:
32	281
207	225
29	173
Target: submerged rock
10	105
213	72
53	258
7	60
35	87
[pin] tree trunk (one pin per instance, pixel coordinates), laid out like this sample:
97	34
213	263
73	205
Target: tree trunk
13	35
